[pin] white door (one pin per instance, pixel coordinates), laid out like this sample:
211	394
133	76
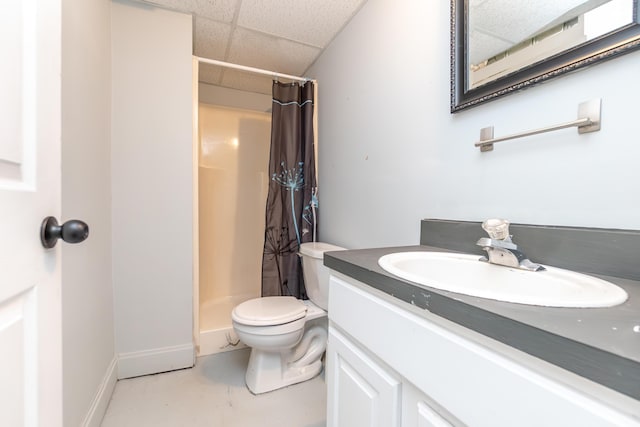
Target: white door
30	308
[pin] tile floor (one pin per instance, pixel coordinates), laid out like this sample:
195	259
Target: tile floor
213	394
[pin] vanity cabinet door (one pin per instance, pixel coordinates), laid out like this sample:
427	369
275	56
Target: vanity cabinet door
362	393
420	411
427	417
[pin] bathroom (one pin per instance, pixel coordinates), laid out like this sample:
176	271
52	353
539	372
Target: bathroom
390	154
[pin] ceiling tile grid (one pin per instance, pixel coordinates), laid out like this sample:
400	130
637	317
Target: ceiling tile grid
312	22
284	36
270	53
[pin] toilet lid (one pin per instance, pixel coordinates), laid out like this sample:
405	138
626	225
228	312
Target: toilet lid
317	249
269	311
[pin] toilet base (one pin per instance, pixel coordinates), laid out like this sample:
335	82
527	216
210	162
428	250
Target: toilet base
271	370
265	372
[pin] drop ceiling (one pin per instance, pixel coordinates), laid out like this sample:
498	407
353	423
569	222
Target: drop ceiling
497	25
284	36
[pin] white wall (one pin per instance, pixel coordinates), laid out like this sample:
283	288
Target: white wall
87	297
152	188
391	154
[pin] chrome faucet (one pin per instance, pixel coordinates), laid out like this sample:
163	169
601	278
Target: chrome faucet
501	250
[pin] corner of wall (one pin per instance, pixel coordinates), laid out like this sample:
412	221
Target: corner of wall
101	400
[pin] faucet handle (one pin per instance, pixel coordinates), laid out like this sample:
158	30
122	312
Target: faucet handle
497	228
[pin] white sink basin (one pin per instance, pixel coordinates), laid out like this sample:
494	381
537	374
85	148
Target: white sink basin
465	274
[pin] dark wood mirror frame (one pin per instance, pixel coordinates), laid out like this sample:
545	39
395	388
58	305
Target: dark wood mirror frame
611	45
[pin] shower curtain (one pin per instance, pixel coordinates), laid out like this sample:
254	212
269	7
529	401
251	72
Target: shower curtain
291	201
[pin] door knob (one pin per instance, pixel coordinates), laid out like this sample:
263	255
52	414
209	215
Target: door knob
72	231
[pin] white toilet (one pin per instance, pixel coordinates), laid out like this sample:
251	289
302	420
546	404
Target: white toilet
287	336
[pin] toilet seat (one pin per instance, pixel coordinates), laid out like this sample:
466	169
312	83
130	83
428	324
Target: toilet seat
269	311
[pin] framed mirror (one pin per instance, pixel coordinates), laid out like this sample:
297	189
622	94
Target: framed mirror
502	46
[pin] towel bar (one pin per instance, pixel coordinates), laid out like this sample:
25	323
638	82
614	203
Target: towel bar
588	121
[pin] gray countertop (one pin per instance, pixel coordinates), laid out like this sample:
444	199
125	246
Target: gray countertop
601	344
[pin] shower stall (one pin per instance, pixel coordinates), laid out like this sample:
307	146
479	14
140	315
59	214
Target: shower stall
233	158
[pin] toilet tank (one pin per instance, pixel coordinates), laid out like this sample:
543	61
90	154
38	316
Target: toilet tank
316	275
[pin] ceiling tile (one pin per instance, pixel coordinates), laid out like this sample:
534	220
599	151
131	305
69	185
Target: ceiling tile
263	51
211	38
210	74
284	36
506	21
312	22
220	10
483	46
247	81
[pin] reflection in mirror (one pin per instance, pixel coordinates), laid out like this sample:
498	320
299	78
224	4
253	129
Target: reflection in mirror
531	31
499	46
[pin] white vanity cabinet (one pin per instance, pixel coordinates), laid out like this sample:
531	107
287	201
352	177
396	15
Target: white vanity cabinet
389	365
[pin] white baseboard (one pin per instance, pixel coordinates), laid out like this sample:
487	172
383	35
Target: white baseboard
103	396
155	360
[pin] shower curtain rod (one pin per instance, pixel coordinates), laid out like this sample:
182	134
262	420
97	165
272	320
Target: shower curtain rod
252	69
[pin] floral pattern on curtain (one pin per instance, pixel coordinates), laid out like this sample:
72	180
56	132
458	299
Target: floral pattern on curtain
290	209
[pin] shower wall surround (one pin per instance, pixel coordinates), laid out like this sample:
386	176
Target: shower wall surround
390	153
233	179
